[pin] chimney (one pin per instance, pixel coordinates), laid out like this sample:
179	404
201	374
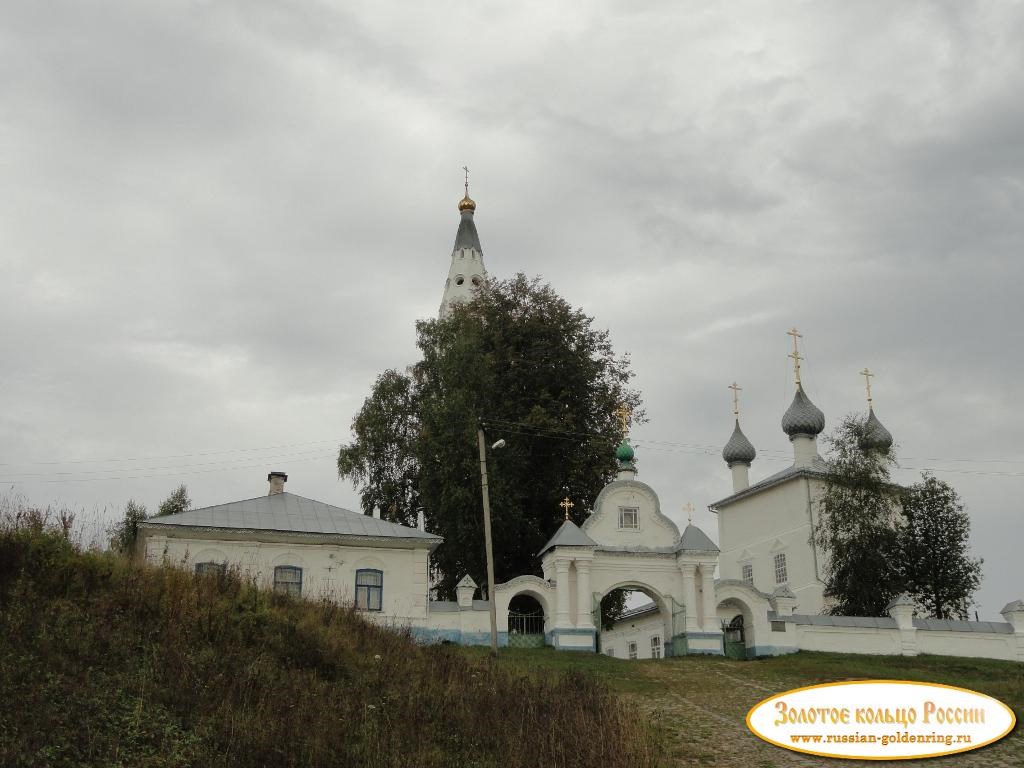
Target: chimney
277	481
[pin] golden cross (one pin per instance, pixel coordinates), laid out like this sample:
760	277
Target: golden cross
467	179
795	354
867	383
566	505
736	389
623	412
688	509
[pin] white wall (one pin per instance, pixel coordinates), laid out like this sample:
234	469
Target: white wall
328	570
639	631
776	520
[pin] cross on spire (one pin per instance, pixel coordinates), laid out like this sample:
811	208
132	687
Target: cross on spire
795	354
688	509
566	505
867	382
736	389
623	412
466	169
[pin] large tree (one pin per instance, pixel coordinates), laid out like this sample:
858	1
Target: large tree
177	502
938	571
880	539
858	522
534	371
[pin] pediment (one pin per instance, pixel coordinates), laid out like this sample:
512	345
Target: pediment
653	529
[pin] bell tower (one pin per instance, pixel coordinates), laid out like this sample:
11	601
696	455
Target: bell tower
467	270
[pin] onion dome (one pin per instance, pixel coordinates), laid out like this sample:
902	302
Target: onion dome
738	450
467	204
876	437
803	417
624	453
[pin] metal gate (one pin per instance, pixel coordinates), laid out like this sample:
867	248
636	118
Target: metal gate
734	639
525	630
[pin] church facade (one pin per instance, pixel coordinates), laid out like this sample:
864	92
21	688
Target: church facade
759	591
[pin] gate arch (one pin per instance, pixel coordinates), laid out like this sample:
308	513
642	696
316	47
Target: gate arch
743	612
668	610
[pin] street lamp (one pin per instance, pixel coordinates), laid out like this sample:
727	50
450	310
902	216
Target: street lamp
487	533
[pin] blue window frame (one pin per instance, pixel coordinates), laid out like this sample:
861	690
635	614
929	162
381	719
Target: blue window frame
288	580
369	589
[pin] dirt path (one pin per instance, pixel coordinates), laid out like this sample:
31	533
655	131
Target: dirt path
701	708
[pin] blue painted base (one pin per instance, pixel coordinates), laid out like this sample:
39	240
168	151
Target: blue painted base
554	636
770	650
429	636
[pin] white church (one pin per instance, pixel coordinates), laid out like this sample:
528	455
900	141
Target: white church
758	592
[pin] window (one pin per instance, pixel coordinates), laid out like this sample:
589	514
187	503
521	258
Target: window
459	279
609	651
288	580
656	647
211	569
369	589
629	517
748	573
781	577
632	650
778	626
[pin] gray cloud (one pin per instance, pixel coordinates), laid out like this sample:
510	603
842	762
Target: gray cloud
218	223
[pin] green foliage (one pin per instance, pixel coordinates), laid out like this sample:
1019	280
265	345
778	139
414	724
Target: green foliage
613	605
880	539
858	524
939	572
177	502
535	371
105	662
381	461
124	533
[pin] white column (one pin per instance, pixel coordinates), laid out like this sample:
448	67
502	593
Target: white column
562	617
690	596
707	577
583	597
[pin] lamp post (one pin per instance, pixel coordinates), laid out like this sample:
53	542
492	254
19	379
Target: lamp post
487	534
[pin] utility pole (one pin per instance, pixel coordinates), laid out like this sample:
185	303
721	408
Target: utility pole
481	438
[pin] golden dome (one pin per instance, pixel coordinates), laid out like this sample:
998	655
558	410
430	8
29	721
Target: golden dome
467	204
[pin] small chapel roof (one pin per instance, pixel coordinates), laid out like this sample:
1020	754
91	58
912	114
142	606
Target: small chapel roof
289	513
568	535
695	540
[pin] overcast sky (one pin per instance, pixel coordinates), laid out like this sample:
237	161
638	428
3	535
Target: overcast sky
219	221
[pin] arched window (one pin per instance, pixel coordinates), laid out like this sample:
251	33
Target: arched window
288	580
369	589
211	569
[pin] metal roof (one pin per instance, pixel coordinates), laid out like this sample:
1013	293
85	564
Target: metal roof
568	536
288	513
466	237
695	540
817	469
803	417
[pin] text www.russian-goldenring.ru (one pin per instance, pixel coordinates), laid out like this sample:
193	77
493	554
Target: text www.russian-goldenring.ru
885	740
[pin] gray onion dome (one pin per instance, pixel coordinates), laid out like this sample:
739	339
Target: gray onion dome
803	417
738	450
876	437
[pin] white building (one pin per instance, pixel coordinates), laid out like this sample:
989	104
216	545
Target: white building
767	599
303	547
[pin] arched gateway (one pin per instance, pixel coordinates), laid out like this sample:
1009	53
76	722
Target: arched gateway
628	543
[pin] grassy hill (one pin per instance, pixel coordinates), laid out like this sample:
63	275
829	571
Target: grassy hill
106	663
103	663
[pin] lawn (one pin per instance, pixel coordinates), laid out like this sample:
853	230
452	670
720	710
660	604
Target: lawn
697	705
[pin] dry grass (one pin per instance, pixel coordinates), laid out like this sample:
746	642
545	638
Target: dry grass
106	663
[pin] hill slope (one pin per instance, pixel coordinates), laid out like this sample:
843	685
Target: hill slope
106	663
